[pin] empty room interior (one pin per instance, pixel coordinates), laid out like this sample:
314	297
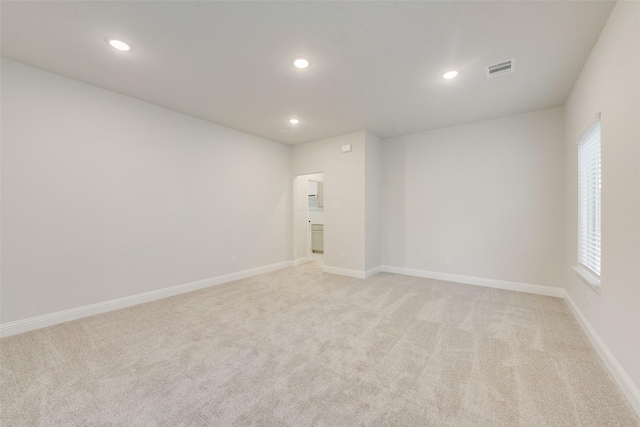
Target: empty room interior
320	213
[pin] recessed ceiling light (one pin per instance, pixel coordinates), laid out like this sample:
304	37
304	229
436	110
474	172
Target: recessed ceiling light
294	121
301	63
120	45
450	74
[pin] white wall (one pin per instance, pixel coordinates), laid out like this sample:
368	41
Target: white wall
373	201
610	84
344	196
105	196
487	194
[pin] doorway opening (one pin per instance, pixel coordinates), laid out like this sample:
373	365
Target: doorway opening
309	226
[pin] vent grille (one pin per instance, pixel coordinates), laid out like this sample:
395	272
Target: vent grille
504	67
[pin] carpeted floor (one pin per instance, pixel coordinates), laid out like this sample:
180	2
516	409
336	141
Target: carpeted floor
300	347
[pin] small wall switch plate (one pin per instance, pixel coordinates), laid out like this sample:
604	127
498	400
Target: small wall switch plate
346	148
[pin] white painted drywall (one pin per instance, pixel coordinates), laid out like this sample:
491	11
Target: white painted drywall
106	196
373	200
610	84
344	196
487	194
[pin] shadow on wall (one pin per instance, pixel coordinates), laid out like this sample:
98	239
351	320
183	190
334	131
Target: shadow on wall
394	198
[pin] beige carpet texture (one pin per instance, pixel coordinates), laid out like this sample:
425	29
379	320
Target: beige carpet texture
299	347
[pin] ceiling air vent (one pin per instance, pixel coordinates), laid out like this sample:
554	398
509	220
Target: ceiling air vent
504	67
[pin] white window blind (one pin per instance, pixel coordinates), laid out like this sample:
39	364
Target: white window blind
590	199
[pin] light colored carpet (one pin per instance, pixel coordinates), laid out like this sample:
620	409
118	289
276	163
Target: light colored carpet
301	347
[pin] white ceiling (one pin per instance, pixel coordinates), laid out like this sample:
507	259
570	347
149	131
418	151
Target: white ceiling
374	65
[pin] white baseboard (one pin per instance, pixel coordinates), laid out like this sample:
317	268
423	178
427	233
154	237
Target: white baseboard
37	322
344	272
626	384
301	261
479	281
352	273
372	271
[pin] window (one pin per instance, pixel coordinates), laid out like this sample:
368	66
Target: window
589	183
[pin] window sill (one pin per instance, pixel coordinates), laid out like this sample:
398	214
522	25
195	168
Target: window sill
592	281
